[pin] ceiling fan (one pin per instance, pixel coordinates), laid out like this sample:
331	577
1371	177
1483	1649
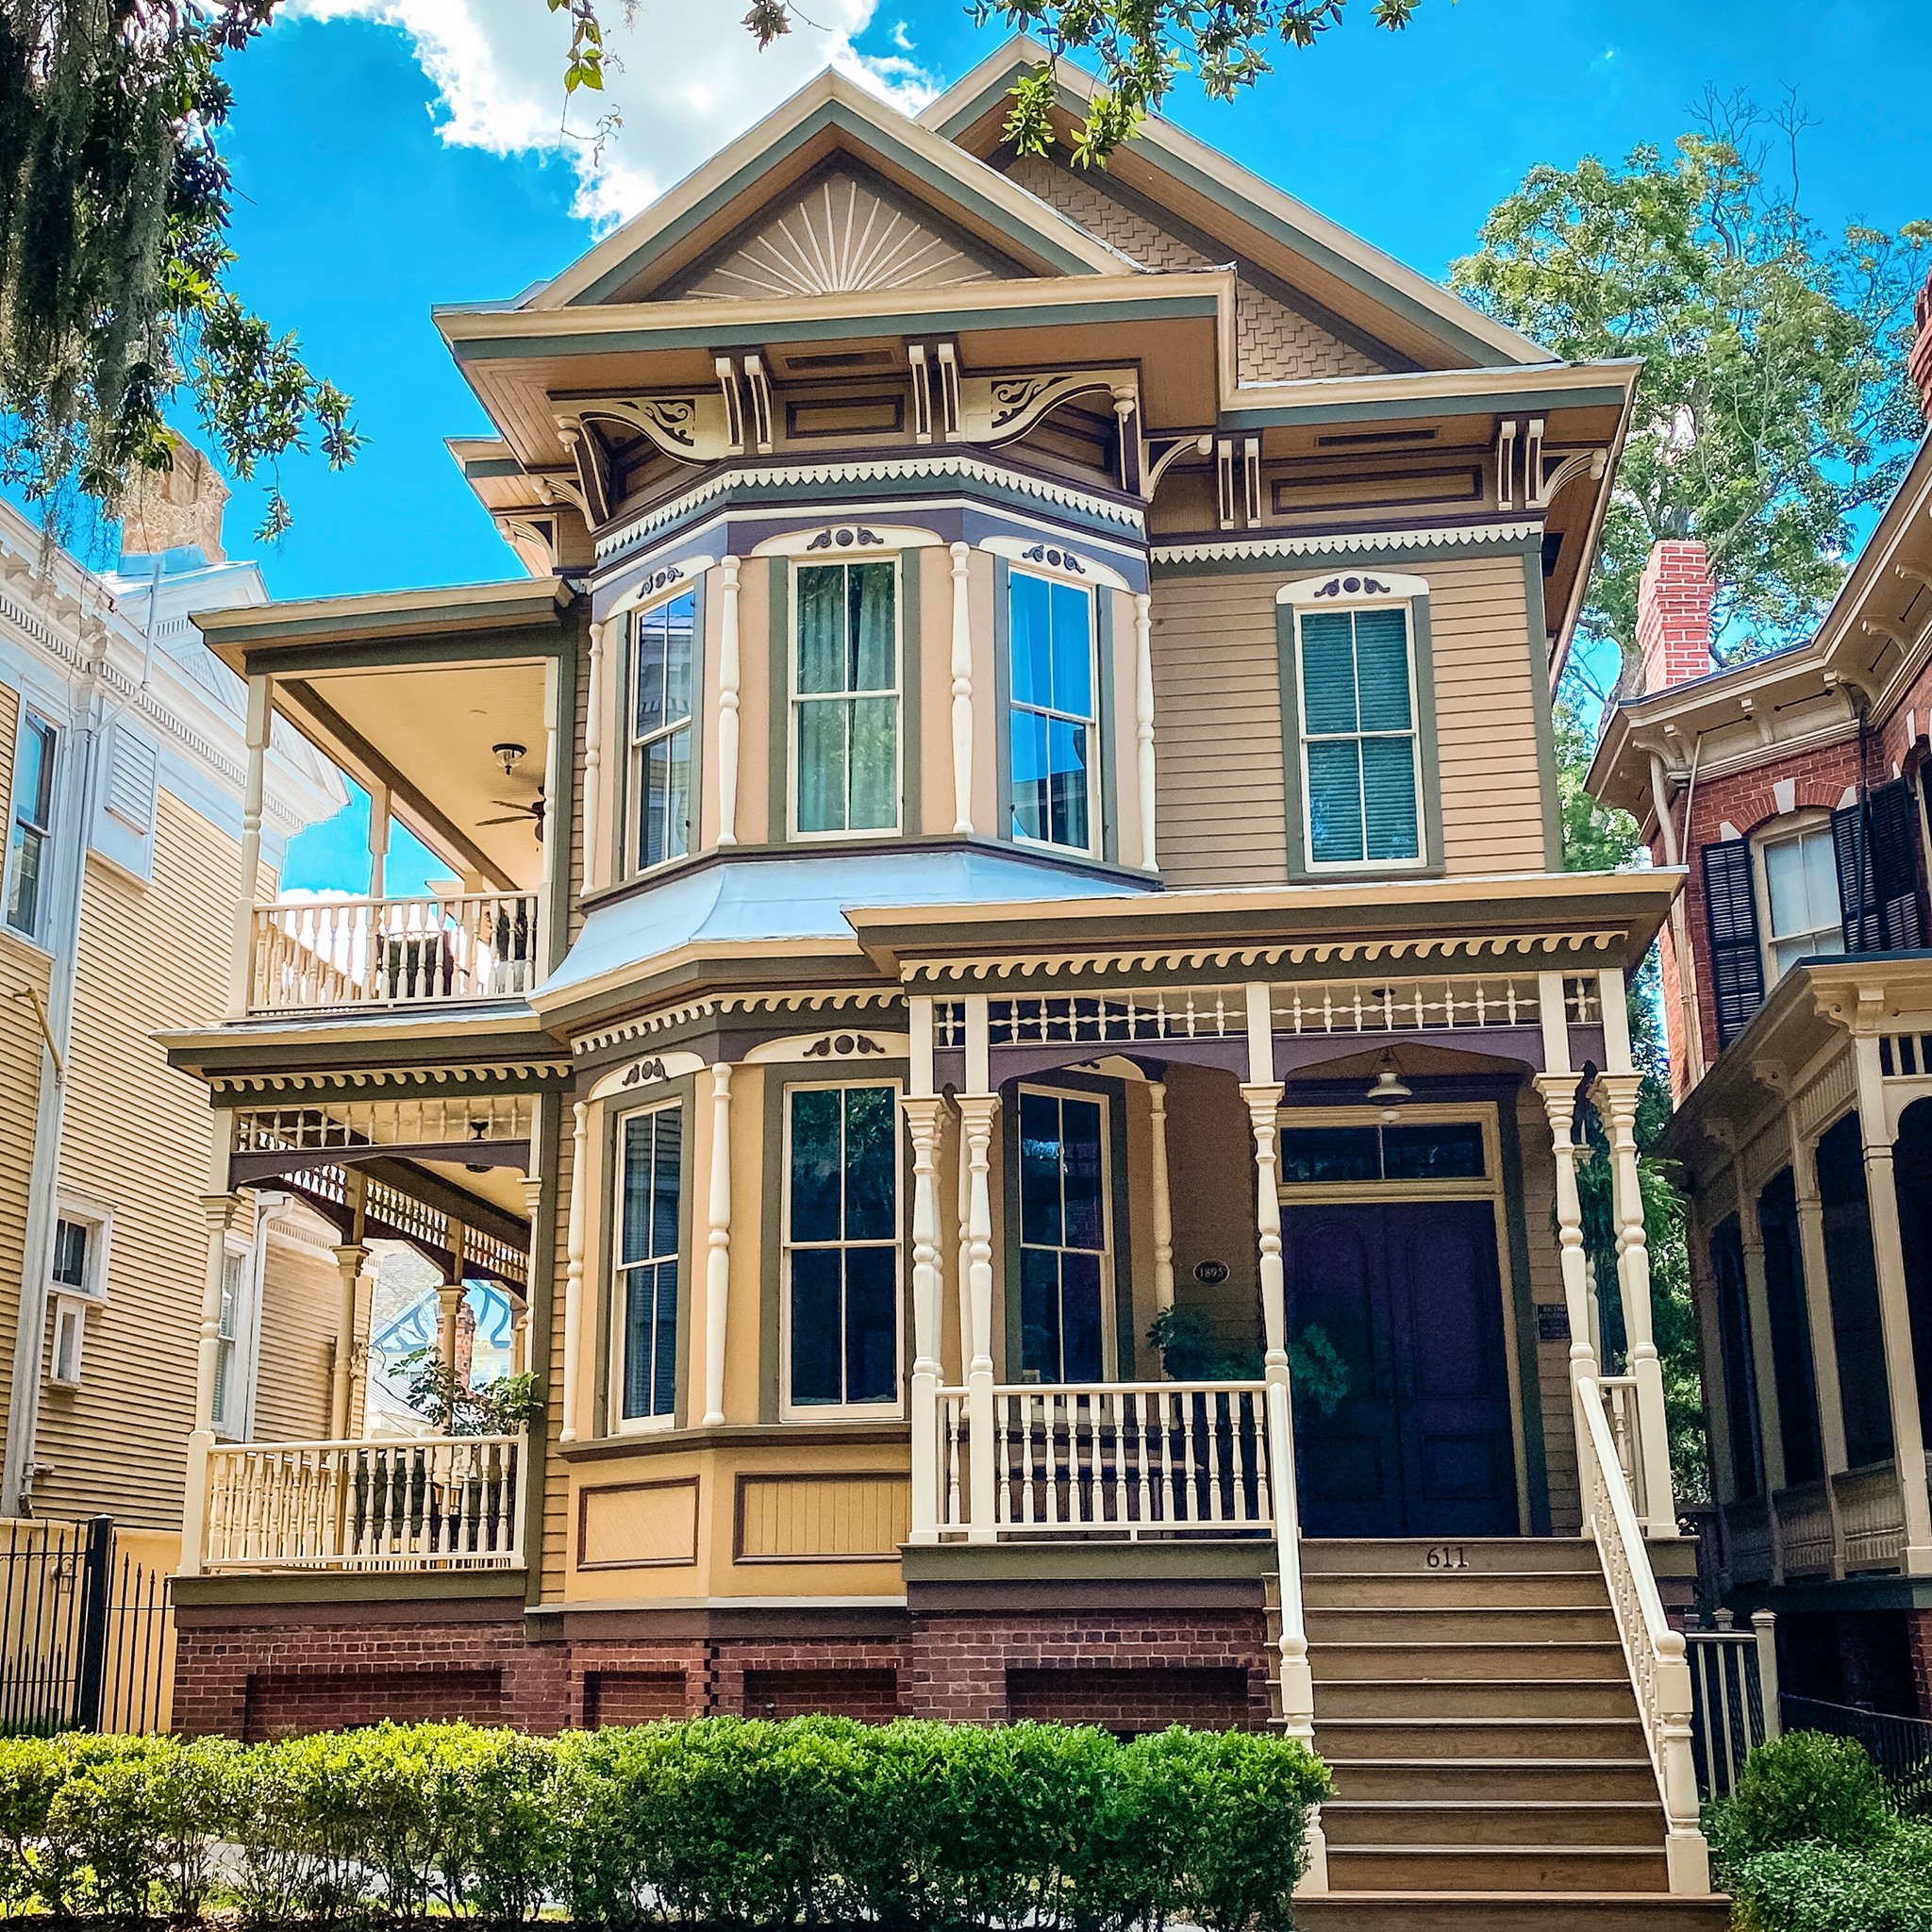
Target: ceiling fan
531	809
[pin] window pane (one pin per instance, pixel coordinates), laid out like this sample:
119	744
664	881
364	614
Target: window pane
1821	874
1444	1152
1040	1316
1066	751
875	765
1785	880
1381	668
1080	1165
873	657
33	782
1039	1169
680	618
822	628
664	1353
872	1342
1028	605
815	1164
822	728
649	648
664	830
1330	1154
1031	814
1327	672
666	1180
815	1338
23	890
70	1254
871	1139
1073	650
1082	1359
639	1136
1335	802
1389	791
650	1340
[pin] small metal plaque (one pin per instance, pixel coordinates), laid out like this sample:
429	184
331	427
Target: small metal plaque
1552	1322
1210	1273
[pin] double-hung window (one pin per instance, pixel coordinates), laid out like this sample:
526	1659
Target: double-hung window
1803	911
662	654
1052	734
30	838
1064	1260
228	1394
649	1200
845	699
77	1280
1361	767
842	1247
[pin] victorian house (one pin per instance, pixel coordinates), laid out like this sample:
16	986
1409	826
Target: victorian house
1798	993
1009	913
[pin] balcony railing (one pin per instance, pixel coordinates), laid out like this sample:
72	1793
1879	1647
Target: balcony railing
1114	1460
327	954
430	1503
1839	1526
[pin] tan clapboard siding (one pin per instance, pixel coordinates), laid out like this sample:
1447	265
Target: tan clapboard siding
1486	745
1219	799
1547	1286
553	1529
295	1364
798	1519
609	772
21	966
138	1136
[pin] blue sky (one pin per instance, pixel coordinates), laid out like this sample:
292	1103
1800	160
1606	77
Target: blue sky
364	196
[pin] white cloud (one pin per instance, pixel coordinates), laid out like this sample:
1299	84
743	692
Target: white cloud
684	79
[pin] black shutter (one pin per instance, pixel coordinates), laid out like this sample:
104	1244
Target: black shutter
1895	866
1730	909
1857	881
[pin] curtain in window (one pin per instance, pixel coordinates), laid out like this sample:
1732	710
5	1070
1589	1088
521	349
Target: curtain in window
651	1180
847	701
1358	727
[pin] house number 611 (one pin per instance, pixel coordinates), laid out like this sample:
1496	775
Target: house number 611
1447	1557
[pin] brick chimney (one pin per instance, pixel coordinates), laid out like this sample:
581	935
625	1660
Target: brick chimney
1674	614
176	508
1920	362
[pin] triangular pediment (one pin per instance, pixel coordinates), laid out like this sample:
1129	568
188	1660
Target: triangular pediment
848	233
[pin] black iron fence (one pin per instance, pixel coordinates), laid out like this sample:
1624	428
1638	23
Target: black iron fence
1901	1747
86	1634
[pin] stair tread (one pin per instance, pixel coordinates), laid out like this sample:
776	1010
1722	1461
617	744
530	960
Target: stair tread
1497	1763
1487	1683
1514	1898
1630	1720
1366	1849
1538	1643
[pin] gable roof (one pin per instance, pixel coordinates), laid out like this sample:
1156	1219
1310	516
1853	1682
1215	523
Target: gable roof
1336	268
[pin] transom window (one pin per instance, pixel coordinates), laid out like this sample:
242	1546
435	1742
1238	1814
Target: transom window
1361	776
1052	711
663	641
1418	1151
845	699
650	1195
30	839
1803	915
842	1247
1064	1250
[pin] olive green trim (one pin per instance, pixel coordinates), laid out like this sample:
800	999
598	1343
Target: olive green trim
620	830
681	1092
834	114
778	648
911	719
1529	1378
1489	402
1001	702
556	908
1543	701
1423	661
457	643
540	1300
1100	602
1051	1562
222	1593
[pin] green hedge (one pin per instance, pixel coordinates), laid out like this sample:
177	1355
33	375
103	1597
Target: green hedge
719	1821
1807	1842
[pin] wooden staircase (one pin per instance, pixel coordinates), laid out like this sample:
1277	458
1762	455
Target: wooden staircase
1473	1702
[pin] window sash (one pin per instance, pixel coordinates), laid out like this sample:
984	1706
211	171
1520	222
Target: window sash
31	823
841	1246
1052	711
1361	739
658	720
648	1232
845	661
1066	1237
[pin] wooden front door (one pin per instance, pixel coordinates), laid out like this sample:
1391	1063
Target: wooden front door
1409	1294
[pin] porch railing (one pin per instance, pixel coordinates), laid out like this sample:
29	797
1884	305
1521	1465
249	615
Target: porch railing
1734	1697
323	955
1659	1671
1839	1526
428	1503
1118	1459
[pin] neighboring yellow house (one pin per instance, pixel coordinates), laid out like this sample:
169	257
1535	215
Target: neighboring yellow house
122	739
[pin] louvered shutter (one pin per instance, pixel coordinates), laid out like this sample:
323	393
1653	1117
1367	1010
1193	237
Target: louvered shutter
1894	814
132	768
1730	910
1859	902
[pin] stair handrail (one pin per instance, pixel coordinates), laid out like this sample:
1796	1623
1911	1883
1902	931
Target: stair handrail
1659	1670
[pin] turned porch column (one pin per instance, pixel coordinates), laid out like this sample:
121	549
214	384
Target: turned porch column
350	1258
1161	1202
718	1247
978	1111
923	1111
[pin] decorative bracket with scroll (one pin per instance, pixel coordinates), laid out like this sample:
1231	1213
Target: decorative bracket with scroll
997	409
1529	471
691	427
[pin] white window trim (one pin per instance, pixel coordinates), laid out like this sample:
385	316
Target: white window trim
246	1359
31	714
630	832
1394	593
621	1424
793	698
1786	825
1095	829
843	1411
68	1309
98	1217
1110	1309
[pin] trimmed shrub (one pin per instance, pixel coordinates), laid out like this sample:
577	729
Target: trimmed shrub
1813	1887
1803	1787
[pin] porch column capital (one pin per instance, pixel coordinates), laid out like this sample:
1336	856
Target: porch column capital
219	1211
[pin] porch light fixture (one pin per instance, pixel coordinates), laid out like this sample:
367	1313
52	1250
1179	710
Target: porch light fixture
508	755
1387	1090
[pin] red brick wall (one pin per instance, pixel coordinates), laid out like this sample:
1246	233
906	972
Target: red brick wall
872	1696
1674	600
1919	1638
277	1703
1131	1701
633	1697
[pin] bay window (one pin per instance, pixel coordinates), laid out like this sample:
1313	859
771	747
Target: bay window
1052	713
663	653
650	1193
845	699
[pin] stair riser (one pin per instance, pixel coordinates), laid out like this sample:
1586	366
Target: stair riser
1490	1624
1462	1778
1339	1912
1342	1739
1428	1592
1464	1662
1349	1823
1354	1870
1368	1697
1498	1556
